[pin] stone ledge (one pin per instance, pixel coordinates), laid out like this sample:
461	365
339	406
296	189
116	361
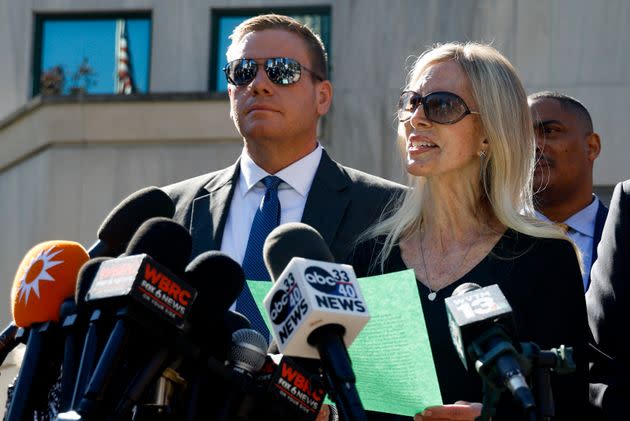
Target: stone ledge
97	119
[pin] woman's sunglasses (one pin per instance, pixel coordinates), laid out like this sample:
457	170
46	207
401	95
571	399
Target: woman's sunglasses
439	107
280	70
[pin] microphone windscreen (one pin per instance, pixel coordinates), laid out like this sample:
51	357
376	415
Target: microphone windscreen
165	241
46	276
123	221
464	288
234	321
86	277
248	351
217	278
291	240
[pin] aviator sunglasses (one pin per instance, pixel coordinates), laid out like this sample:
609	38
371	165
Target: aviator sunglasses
439	107
280	70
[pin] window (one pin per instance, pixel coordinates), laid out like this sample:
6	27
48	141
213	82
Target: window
96	54
224	22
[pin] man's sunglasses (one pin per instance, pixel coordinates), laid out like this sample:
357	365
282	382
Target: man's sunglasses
280	70
439	107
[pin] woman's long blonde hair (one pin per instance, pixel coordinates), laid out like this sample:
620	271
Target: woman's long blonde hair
506	173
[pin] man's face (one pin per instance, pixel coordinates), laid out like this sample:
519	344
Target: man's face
263	111
565	149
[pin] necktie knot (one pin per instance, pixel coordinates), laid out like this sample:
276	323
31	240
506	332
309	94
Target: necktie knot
272	182
565	227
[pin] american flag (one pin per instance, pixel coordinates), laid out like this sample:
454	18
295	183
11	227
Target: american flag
123	82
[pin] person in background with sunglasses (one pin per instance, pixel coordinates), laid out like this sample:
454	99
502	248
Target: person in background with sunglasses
468	143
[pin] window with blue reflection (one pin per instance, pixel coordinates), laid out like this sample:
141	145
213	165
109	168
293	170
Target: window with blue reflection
93	55
225	22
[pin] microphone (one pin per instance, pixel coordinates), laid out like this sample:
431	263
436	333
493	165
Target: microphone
248	351
261	388
247	356
45	278
153	302
222	279
481	325
316	308
97	325
211	325
8	340
122	222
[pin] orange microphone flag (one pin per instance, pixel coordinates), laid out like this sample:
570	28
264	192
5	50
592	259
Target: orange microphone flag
46	276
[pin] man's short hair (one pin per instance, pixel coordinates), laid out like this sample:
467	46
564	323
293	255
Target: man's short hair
316	49
567	103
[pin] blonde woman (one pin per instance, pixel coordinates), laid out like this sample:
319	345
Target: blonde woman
468	145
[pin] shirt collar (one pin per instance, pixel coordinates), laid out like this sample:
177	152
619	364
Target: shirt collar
582	221
298	175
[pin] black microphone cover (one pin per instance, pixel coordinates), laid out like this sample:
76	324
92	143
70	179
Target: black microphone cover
218	279
291	240
166	241
122	222
85	277
234	321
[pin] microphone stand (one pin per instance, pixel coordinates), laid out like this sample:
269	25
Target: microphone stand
560	360
536	364
488	352
338	370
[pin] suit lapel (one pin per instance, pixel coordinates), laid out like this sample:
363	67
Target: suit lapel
209	211
600	219
326	202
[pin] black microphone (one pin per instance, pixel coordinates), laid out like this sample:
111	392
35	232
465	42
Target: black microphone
122	222
72	327
98	324
316	308
481	325
209	319
247	356
153	302
212	328
8	341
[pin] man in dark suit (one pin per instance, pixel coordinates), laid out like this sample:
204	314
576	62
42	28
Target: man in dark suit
278	88
566	149
608	305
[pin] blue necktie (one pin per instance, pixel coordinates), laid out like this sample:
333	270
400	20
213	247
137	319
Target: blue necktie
266	219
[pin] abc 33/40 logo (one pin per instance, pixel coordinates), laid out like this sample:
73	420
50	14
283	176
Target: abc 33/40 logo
335	282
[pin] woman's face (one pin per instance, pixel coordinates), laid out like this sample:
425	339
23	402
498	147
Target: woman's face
434	149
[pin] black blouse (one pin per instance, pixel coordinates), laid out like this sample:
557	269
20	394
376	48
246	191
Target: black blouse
542	282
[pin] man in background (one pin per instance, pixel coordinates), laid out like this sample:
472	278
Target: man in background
566	149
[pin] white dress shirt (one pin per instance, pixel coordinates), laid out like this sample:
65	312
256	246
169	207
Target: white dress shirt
248	194
582	230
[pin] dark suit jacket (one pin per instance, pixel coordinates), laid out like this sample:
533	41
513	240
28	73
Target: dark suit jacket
608	304
341	204
600	219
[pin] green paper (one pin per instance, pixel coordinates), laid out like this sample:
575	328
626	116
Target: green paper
391	357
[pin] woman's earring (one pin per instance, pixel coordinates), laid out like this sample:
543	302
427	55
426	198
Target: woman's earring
482	155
